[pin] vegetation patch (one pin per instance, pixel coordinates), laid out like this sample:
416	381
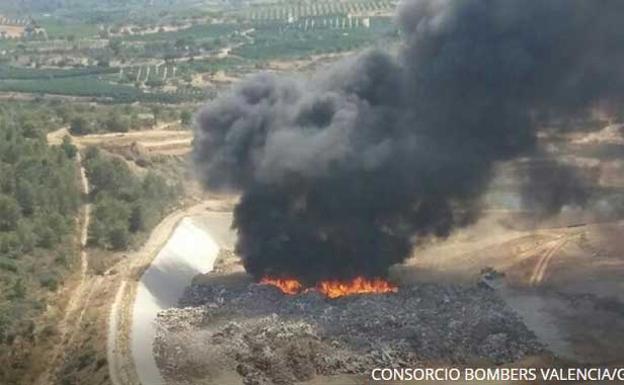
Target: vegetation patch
125	205
22	73
39	200
274	42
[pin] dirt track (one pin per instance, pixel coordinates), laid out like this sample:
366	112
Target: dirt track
79	297
565	282
161	140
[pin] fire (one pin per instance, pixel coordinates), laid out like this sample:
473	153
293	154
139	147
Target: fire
360	285
334	289
288	286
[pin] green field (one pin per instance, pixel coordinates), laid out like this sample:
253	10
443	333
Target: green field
213	65
195	32
95	88
296	10
10	72
59	28
273	42
99	49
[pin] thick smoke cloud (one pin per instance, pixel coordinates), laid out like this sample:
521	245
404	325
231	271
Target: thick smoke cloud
550	185
340	173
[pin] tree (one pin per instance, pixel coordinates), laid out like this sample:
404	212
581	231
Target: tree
68	148
112	176
45	235
92	152
115	46
110	222
116	124
10	213
79	126
27	237
156	111
10	244
103	63
5	322
26	197
119	237
18	291
186	118
63	111
49	280
137	219
30	131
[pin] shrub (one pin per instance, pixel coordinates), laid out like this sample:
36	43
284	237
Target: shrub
67	147
49	280
10	213
79	126
8	265
119	237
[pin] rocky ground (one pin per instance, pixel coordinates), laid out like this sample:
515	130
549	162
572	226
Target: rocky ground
270	338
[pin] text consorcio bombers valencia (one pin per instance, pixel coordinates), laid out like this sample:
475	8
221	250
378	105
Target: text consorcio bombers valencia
498	374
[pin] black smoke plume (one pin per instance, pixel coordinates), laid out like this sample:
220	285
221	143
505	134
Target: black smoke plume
550	185
341	172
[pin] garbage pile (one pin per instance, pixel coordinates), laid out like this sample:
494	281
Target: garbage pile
267	337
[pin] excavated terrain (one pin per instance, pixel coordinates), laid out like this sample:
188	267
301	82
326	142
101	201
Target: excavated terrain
266	337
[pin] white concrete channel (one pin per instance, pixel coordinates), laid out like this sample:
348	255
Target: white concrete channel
191	250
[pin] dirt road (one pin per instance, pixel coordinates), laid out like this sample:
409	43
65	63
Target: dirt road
546	255
566	283
162	140
79	298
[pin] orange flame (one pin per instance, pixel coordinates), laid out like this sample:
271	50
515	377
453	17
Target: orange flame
334	289
359	285
288	286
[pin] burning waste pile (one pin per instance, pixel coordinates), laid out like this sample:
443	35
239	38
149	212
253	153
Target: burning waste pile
268	337
335	289
342	173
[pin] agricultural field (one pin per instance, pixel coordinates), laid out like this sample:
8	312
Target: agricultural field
93	88
295	10
297	41
198	32
126	52
59	29
22	73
